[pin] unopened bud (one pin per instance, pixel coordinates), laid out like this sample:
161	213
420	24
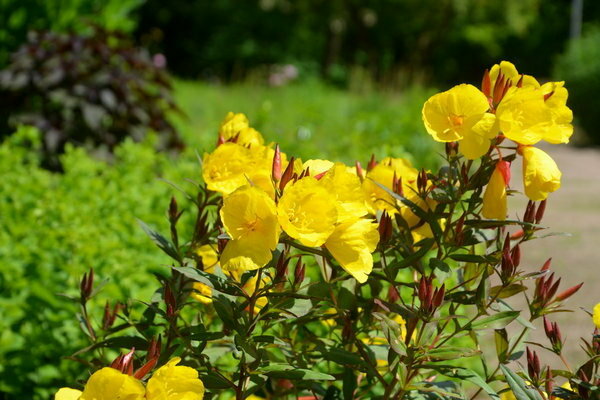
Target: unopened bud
299	272
220	140
385	228
486	83
287	174
540	212
451	149
568	293
393	295
281	269
276	167
173	211
515	255
170	301
87	284
359	170
372	163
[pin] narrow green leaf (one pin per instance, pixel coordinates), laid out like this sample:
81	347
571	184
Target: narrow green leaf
519	387
496	321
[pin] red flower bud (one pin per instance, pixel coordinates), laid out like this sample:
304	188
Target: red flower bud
359	170
276	167
372	163
486	83
540	212
287	174
568	293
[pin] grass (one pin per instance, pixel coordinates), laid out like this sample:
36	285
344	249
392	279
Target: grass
311	120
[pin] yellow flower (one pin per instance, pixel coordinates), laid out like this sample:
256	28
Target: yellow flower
224	170
351	244
249	216
346	186
210	259
174	382
237	125
596	317
523	116
460	114
561	129
67	394
250	288
508	395
383	173
510	72
106	384
317	167
541	175
494	198
307	212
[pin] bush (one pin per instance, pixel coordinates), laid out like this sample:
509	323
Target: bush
54	227
88	90
19	17
320	280
579	66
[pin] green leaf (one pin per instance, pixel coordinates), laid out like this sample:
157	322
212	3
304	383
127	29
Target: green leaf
342	357
501	340
211	280
519	387
212	380
285	371
163	243
496	321
504	292
348	384
465	374
391	331
474	258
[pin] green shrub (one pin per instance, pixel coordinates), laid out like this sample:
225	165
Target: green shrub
56	226
579	66
94	89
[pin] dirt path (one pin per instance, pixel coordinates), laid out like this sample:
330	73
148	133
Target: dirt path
574	208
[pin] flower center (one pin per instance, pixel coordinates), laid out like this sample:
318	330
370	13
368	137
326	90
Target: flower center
456	120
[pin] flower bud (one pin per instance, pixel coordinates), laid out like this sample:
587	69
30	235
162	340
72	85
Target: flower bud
486	83
372	163
276	167
385	228
287	174
359	170
299	272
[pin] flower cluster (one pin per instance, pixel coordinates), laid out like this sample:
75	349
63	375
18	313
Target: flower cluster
318	203
512	106
169	382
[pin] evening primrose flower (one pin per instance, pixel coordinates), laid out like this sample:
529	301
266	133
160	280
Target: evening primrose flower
541	175
460	114
237	126
224	170
352	244
106	384
346	186
249	216
174	382
596	315
307	211
210	259
494	197
250	288
383	173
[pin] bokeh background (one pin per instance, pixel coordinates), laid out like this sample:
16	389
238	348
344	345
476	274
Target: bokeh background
102	101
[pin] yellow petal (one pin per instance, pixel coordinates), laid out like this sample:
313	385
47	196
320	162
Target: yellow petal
224	169
541	175
307	212
523	116
67	394
477	142
202	293
510	72
174	382
383	173
232	125
209	256
346	186
351	244
245	255
596	316
562	116
110	384
494	197
317	166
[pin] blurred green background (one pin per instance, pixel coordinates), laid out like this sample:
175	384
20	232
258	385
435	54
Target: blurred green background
341	79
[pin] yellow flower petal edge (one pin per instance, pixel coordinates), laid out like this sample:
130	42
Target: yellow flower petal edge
596	315
67	394
352	244
175	382
541	175
494	197
110	384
